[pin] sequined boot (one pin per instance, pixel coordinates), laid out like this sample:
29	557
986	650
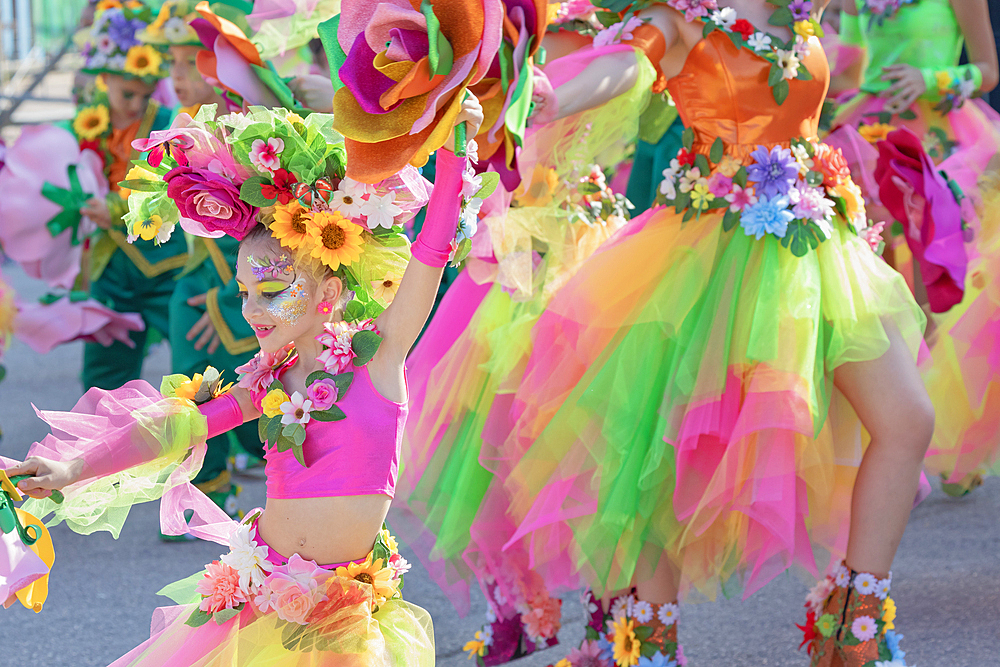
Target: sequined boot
504	637
633	629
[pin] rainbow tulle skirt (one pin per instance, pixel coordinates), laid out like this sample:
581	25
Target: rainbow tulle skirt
679	402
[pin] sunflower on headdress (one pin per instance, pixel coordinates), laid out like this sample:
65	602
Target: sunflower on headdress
91	122
291	224
336	240
143	60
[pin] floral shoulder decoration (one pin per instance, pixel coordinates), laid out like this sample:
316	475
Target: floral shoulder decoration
201	388
880	10
221	176
301	594
284	418
785	56
791	193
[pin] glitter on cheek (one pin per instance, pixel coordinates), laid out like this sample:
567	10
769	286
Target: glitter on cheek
290	306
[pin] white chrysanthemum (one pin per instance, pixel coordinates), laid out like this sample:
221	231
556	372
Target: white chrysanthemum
247	558
668	613
865	583
619	609
882	589
842	577
642	611
486	634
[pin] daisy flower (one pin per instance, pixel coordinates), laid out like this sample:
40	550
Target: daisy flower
863	628
668	613
296	410
865	583
642	611
759	42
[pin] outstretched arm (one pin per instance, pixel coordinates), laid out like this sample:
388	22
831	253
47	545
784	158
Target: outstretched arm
403	320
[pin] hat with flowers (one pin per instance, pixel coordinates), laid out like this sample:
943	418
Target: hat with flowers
217	176
172	26
114	43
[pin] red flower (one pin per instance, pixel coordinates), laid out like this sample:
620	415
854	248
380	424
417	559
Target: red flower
808	630
284	182
95	145
744	27
685	157
833	166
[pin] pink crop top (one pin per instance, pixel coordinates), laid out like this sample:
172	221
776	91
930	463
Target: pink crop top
355	456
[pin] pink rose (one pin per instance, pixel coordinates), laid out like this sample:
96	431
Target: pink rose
210	200
257	374
221	586
323	394
720	185
293	590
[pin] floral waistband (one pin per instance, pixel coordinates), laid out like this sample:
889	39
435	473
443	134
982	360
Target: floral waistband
791	193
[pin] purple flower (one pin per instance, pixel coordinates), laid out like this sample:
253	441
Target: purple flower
122	30
323	394
211	200
801	9
767	216
773	172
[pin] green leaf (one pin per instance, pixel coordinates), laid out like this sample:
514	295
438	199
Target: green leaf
687	137
718	149
647	649
896	228
262	427
299	456
354	311
814	178
682	201
781	16
333	414
644	632
803	74
169	384
220	617
343	382
284	443
740	178
774	75
365	344
690	213
709	28
730	220
587	188
251	194
141	185
701	162
197	619
318	375
907	114
591	634
780	91
491	180
274	431
275	384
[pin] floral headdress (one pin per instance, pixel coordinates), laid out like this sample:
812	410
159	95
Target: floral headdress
172	26
114	43
219	176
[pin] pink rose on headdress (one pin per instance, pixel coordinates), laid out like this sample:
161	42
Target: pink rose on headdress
210	201
264	156
323	394
293	590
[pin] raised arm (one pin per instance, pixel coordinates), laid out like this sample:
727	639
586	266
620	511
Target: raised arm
974	20
403	320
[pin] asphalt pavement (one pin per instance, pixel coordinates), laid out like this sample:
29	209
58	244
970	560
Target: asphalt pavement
946	579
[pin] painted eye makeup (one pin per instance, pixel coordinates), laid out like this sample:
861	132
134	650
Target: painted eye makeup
267	290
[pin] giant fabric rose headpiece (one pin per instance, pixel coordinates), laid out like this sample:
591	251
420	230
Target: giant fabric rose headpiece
404	69
221	176
114	43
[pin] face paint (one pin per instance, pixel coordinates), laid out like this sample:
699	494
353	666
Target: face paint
265	267
291	304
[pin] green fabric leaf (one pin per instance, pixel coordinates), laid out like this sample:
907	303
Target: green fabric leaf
335	56
774	75
907	114
687	138
730	220
644	632
647	649
197	619
262	424
803	74
365	344
718	148
354	311
318	375
343	382
251	194
169	384
299	456
780	91
277	85
274	431
333	414
491	180
142	185
740	178
781	16
222	616
70	201
708	29
462	252
701	162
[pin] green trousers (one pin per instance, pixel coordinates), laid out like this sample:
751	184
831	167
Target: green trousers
647	168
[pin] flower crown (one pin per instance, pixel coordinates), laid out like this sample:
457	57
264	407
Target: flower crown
114	43
219	176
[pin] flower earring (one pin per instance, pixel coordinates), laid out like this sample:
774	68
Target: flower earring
324	308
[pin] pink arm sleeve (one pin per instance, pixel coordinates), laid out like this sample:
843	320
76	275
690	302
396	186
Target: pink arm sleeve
433	244
223	414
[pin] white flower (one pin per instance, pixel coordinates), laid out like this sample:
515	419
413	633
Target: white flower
176	30
471	182
468	225
400	565
691	179
348	199
499	596
801	46
619	609
617	33
966	88
486	634
865	583
117	62
842	576
472	151
759	42
810	203
819	593
296	410
381	211
587	600
789	63
165	232
882	589
490	614
642	611
247	557
97	61
667	188
725	17
668	613
801	154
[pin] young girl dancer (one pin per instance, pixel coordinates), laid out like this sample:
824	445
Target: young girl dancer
328	389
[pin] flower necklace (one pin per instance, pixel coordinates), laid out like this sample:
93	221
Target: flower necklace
283	419
785	56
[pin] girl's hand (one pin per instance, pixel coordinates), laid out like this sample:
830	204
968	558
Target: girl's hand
315	91
908	85
472	115
97	210
46	475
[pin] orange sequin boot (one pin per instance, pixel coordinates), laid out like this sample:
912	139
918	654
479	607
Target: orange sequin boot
849	622
640	629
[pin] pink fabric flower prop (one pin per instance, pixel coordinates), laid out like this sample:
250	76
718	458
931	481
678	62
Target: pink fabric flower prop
43	326
916	194
323	394
211	201
407	66
221	586
293	590
264	155
37	232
